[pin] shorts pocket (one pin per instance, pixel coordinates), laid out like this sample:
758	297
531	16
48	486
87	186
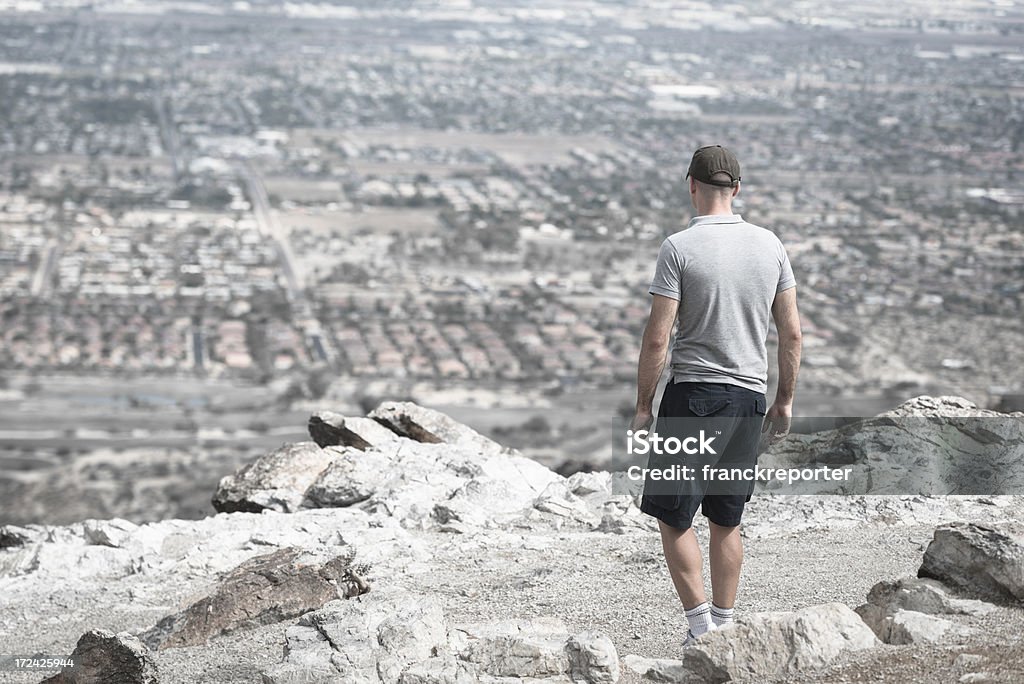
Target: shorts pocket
707	406
759	406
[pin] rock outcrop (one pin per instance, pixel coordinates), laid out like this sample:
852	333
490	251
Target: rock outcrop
485	567
906	611
262	590
103	657
925	446
923	595
394	637
428	471
765	645
976	559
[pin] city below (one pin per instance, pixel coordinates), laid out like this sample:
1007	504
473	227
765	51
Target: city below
216	215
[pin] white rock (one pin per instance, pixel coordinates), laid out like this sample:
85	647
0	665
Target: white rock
916	596
558	500
112	532
373	637
967	660
394	637
350	478
977	559
911	627
592	658
582	484
658	669
276	481
525	648
771	644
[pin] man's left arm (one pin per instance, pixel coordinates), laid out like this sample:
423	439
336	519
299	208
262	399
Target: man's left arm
653	350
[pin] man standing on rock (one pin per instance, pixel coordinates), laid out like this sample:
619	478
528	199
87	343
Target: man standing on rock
718	280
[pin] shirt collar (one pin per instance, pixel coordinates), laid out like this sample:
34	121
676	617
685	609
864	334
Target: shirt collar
715	218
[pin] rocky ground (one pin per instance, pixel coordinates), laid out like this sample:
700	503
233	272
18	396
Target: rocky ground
484	566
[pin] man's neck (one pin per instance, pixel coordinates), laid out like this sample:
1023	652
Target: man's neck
715	210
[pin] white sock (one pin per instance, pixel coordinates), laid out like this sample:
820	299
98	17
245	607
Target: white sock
720	616
699	618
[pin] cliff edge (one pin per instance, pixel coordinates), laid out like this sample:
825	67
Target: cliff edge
403	546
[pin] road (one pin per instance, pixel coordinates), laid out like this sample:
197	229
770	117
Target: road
168	130
271	229
44	275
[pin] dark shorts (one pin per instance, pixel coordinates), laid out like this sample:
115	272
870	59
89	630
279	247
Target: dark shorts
733	415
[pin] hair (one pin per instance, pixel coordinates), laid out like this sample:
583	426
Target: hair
721	192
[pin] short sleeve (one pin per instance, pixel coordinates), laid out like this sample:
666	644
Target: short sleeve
667	279
786	277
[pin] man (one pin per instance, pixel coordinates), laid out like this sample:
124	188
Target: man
718	280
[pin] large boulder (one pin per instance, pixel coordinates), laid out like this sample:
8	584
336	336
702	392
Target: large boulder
276	481
923	595
769	644
262	590
409	463
943	445
905	611
766	645
977	559
102	657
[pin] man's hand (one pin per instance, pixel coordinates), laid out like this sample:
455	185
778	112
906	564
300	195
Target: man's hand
776	424
641	421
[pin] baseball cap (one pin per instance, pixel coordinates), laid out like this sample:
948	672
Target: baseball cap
712	159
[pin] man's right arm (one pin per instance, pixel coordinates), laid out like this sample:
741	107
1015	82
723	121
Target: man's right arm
787	322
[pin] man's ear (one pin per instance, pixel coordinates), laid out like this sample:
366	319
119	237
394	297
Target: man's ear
693	185
736	190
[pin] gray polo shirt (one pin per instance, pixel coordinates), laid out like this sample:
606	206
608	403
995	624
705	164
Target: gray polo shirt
725	273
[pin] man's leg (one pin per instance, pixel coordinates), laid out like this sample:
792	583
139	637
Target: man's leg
685	563
726	551
724	509
682	553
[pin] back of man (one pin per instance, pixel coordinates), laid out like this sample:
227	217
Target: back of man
725	273
718	281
